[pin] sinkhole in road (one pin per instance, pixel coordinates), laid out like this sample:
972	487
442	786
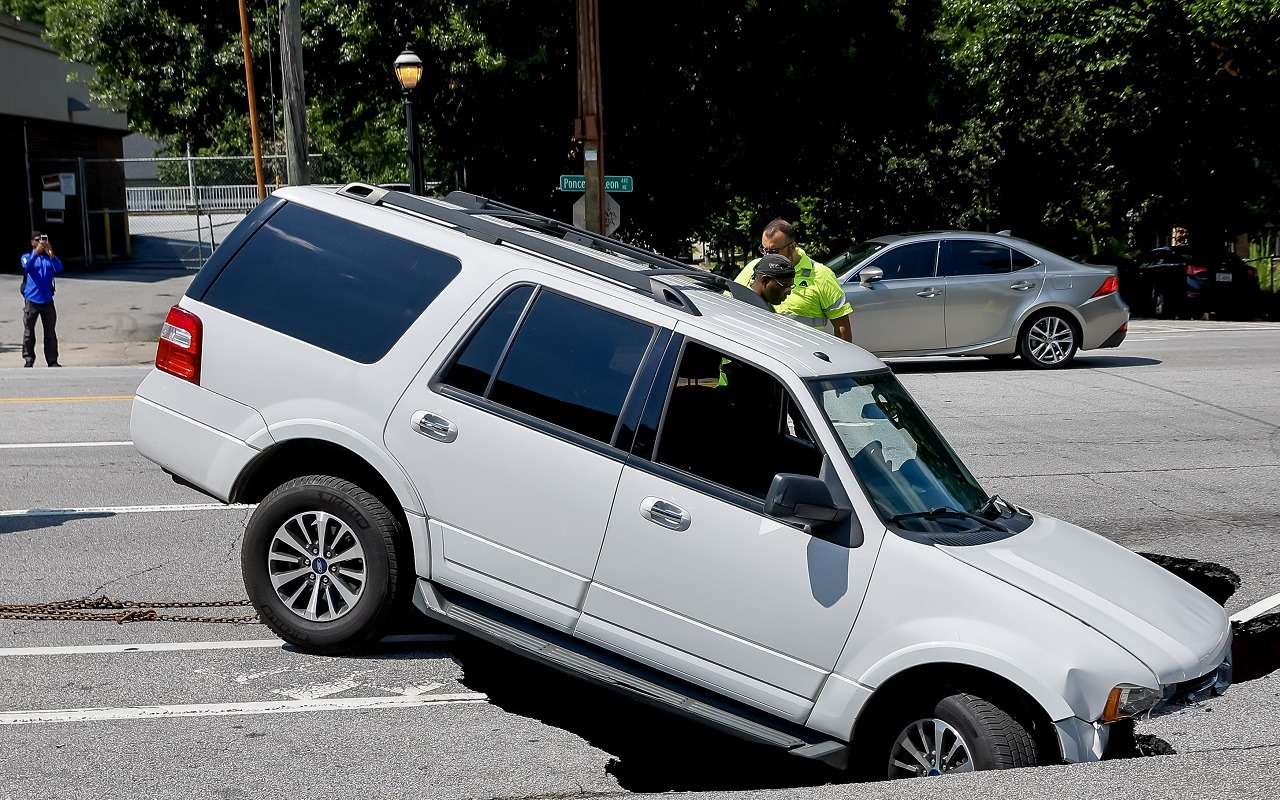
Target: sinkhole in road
1255	646
655	751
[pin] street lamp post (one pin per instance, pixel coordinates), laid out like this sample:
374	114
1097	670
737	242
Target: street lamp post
408	69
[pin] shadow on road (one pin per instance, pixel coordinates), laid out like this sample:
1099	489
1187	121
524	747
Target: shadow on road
654	750
35	522
940	365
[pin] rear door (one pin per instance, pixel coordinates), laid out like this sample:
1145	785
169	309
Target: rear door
985	294
904	311
512	442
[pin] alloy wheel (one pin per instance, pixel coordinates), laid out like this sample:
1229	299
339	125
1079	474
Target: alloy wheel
1051	340
317	566
928	748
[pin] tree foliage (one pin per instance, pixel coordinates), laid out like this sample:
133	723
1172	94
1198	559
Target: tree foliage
1081	123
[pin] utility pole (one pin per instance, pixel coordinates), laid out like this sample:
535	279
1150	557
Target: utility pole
295	91
253	102
589	124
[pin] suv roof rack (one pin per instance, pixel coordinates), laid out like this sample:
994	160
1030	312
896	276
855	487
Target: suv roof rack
469	218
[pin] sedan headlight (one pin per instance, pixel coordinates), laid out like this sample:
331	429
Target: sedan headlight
1127	701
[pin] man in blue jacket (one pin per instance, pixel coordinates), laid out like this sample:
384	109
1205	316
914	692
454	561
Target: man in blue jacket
38	268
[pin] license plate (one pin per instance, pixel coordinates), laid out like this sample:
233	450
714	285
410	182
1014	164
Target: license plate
1223	277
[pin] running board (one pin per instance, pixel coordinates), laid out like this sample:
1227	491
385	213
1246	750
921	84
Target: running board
602	667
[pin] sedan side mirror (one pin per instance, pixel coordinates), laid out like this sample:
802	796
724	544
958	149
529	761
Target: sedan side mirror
804	500
870	275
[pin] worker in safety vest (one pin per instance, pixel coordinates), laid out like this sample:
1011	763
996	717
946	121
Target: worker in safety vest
817	298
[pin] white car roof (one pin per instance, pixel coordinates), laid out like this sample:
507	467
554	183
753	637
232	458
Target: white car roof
782	338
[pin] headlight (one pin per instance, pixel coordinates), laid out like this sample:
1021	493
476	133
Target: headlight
1126	701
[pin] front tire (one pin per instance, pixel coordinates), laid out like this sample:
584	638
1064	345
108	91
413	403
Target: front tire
1048	341
961	732
325	564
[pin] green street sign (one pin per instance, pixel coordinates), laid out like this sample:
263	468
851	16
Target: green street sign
612	183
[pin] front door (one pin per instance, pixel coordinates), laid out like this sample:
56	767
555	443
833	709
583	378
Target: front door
511	445
693	576
903	312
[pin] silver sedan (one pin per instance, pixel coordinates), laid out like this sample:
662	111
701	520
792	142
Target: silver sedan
978	294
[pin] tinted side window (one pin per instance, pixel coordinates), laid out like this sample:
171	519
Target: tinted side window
1022	260
474	365
349	289
572	365
909	261
972	257
733	424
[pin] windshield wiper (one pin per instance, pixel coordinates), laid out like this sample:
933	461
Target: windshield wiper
995	502
942	512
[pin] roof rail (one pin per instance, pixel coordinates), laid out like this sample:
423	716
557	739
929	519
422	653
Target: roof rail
469	218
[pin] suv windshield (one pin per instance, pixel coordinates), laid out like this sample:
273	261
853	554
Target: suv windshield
904	464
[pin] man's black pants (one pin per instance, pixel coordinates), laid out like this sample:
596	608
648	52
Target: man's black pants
48	320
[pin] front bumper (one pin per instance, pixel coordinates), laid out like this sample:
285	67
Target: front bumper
1186	694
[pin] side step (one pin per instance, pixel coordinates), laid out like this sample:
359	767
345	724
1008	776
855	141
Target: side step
584	660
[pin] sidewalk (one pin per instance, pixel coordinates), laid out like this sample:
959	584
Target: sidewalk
106	318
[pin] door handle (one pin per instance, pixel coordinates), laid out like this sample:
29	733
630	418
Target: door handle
434	426
1022	286
668	515
928	293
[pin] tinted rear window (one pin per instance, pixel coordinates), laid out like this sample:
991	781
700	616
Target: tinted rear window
332	283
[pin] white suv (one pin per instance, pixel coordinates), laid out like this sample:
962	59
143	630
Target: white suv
625	468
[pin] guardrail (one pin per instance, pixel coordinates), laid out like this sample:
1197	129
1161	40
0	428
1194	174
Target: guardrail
161	199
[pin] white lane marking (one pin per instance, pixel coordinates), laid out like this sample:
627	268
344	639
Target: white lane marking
74	512
235	709
162	647
53	445
1257	609
315	691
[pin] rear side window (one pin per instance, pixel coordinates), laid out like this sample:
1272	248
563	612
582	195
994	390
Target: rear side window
569	363
474	366
973	257
1022	261
344	287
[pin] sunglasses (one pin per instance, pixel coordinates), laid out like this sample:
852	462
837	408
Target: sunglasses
773	251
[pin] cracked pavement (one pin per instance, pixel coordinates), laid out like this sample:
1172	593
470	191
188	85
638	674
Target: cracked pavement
1168	445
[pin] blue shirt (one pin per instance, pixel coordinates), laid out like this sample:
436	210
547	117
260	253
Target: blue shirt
37	283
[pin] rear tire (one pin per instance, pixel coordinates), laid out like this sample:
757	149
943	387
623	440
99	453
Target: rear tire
1048	341
959	732
1159	304
292	535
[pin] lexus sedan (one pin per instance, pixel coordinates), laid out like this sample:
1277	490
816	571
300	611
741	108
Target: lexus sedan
961	293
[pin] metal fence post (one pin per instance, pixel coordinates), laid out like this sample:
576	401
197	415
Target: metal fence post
84	214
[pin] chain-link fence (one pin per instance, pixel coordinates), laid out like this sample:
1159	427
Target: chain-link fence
174	211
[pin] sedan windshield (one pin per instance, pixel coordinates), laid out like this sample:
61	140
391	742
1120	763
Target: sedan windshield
854	256
904	464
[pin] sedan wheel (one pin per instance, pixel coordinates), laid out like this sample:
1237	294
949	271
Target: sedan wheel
1048	342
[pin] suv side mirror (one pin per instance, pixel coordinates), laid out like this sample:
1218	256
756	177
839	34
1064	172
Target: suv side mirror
805	500
870	275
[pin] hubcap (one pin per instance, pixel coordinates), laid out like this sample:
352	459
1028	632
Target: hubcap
929	747
317	566
1050	340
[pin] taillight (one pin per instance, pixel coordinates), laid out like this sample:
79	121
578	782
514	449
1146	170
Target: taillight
179	350
1197	271
1110	286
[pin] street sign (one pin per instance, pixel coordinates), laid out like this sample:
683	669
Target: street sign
612	214
612	183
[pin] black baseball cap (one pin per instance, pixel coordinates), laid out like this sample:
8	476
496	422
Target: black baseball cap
775	266
36	234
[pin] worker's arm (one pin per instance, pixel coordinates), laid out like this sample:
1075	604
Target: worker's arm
844	327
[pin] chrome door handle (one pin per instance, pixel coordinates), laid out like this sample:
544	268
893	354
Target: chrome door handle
927	293
434	426
668	515
1022	286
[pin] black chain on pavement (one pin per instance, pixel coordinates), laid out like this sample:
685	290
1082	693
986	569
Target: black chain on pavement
105	609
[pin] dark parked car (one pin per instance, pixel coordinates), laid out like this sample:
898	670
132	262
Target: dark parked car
1183	282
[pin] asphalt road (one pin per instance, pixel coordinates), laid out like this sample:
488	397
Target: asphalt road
1169	445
